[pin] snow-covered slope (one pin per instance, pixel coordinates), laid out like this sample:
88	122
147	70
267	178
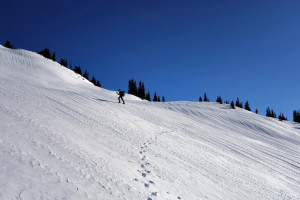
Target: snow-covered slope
63	138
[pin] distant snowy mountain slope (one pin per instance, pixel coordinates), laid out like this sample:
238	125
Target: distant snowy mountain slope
63	138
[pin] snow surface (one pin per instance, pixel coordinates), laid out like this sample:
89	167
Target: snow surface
63	138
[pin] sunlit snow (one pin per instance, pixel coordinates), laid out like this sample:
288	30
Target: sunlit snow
63	138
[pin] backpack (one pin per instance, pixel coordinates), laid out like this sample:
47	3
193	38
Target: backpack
122	93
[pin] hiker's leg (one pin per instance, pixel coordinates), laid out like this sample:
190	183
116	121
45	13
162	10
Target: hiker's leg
119	100
123	100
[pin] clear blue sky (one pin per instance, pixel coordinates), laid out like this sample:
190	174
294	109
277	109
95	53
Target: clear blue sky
180	49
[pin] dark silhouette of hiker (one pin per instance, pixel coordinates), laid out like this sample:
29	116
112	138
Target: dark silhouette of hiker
121	95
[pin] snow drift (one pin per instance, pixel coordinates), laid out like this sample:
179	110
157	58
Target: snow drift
63	138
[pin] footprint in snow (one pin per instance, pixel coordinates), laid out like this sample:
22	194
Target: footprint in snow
154	194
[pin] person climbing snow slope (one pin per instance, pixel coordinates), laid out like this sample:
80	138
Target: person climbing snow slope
121	95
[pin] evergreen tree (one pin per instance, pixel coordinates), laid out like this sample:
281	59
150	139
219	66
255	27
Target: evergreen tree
93	80
53	57
132	89
296	116
71	68
46	53
247	106
163	98
86	75
158	98
256	111
8	45
238	103
148	96
273	114
63	62
270	113
232	105
205	98
155	97
141	90
77	69
200	99
219	99
98	84
281	117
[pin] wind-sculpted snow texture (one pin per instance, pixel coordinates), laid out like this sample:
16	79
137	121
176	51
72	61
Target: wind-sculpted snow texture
63	138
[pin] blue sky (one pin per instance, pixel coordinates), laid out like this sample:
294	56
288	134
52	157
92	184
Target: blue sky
180	49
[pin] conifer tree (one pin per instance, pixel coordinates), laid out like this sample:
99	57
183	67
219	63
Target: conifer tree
77	69
147	97
53	57
98	84
155	97
296	116
200	99
8	45
158	98
238	103
63	62
141	90
270	113
219	99
86	75
163	98
205	97
273	114
247	106
93	80
232	105
281	117
256	111
132	89
46	53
